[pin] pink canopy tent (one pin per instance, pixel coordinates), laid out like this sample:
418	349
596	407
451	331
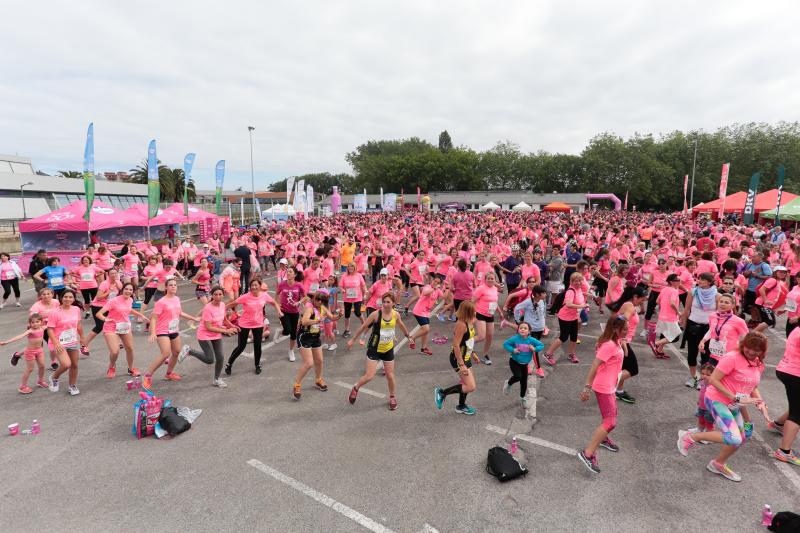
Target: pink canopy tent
163	218
195	214
70	218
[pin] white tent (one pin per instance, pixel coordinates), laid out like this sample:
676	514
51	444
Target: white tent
491	206
278	212
522	206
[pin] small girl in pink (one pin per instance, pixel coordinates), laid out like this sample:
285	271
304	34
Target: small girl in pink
131	270
602	379
65	332
117	328
34	353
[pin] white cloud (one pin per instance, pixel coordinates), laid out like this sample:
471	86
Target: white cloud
318	78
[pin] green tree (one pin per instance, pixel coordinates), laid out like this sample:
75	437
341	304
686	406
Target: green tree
70	174
445	142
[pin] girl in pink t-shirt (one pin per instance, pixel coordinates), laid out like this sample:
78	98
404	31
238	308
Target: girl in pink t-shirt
353	287
602	379
574	302
131	269
165	323
733	384
34	352
116	314
252	320
65	332
428	298
108	288
667	327
87	274
213	325
725	329
485	296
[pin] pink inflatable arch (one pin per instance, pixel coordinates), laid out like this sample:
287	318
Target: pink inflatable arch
612	197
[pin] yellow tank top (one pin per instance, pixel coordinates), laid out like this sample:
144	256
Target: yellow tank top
386	333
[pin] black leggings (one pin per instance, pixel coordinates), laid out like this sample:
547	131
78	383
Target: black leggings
289	323
519	374
694	334
354	306
211	353
568	330
601	287
651	305
88	295
98	324
8	285
456	389
243	334
792	384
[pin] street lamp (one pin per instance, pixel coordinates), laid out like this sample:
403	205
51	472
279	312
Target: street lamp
252	178
22	193
694	162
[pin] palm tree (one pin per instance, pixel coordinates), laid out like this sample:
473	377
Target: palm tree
170	180
70	174
139	174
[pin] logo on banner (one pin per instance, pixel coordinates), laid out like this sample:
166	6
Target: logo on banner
103	210
749	204
61	236
57	217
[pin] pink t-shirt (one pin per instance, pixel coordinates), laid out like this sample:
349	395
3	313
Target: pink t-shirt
728	329
118	312
290	296
216	315
168	315
351	285
790	363
463	283
104	261
7	271
253	309
105	286
572	296
485	298
481	268
39	307
741	376
427	299
87	276
666	299
131	262
605	380
65	325
633	323
376	292
154	271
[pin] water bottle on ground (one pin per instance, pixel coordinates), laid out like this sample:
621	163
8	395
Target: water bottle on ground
35	428
766	515
514	447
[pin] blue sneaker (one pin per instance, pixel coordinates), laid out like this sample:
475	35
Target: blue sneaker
465	410
438	397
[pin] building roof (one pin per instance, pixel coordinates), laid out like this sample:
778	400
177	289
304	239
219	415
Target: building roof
58	184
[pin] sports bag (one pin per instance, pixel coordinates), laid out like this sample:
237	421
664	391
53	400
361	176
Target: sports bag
145	414
558	301
172	422
502	465
785	522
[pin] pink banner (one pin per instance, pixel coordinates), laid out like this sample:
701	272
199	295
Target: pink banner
723	188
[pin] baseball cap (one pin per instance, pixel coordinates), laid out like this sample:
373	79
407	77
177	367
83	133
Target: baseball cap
283	261
384	272
779	268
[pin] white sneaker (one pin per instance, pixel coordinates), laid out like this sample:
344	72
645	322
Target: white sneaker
524	402
325	346
183	353
506	387
53	385
643	334
332	347
691	382
292	358
219	383
2	306
73	390
18	304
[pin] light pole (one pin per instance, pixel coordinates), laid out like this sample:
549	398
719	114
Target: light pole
694	163
252	178
22	193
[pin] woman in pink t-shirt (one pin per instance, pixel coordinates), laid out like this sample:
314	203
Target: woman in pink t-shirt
733	384
165	322
10	274
202	281
485	296
788	424
251	321
213	325
151	274
353	287
117	329
131	270
602	379
568	316
108	288
725	329
428	298
667	327
791	307
65	332
87	275
417	275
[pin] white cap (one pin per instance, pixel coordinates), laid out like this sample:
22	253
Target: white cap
779	268
384	272
283	261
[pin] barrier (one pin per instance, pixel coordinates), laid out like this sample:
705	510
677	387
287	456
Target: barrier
612	197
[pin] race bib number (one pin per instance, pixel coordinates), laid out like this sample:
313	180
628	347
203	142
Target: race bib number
790	305
386	336
470	345
123	328
68	338
314	328
112	295
87	276
716	348
422	269
492	307
314	287
56	281
351	294
173	325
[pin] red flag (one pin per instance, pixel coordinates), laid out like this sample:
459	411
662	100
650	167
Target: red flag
685	189
625	207
723	188
419	200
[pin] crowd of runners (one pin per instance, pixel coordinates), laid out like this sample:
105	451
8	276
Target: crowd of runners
705	290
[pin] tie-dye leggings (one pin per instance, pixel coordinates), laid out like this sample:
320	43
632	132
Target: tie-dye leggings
727	420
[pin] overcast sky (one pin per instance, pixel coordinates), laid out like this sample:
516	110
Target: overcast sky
316	79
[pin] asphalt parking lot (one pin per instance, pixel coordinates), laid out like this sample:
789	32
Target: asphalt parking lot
256	460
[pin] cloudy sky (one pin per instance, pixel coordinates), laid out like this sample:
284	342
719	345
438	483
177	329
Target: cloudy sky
316	79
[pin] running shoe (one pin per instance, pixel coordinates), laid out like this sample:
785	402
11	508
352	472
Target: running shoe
321	385
503	323
346	334
438	397
506	387
643	334
465	410
183	353
584	323
441	317
723	470
453	318
486	360
524	402
609	444
292	357
780	455
691	382
578	341
589	462
549	358
134	372
24	389
325	346
258	369
172	376
296	394
540	372
392	403
219	383
774	426
625	397
111	372
661	354
685	442
147	382
426	351
353	396
42	384
574	359
406	294
17	304
412	345
228	369
15	358
332	347
698	384
73	390
653	347
84	351
53	385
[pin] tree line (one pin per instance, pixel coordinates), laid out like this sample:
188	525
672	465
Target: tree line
650	167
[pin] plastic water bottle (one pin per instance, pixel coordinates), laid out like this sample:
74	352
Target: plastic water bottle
35	427
766	516
514	447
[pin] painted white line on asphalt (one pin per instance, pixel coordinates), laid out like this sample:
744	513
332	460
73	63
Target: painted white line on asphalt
785	469
342	509
536	440
404	340
362	389
427	528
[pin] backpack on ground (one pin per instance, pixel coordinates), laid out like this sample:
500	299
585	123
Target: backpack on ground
558	301
502	465
785	522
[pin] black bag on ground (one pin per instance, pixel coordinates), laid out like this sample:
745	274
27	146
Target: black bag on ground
558	301
172	422
785	522
502	465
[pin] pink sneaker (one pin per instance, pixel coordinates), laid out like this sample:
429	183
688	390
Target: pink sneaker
503	323
574	359
685	442
540	372
549	358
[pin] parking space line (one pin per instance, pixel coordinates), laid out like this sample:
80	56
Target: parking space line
411	332
535	440
362	389
342	509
